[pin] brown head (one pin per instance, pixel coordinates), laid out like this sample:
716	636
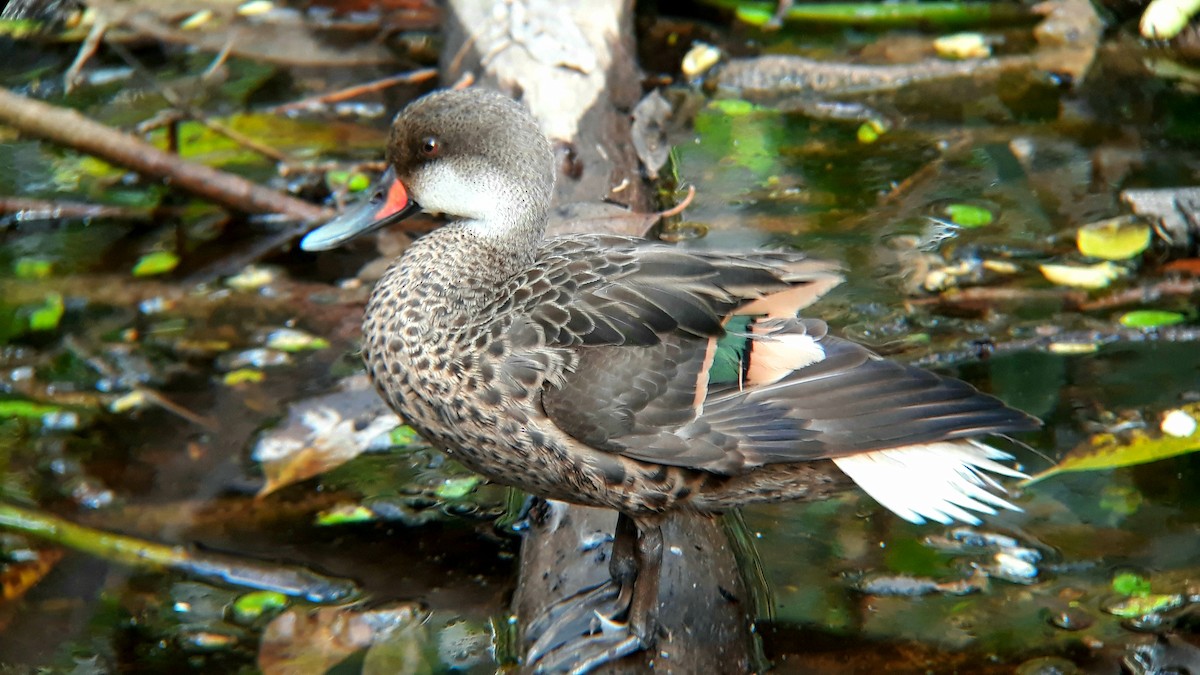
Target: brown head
474	155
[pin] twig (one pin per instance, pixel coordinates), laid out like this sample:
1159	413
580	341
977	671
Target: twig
1144	294
412	77
678	208
46	209
186	110
989	295
90	44
1059	342
293	581
75	347
69	128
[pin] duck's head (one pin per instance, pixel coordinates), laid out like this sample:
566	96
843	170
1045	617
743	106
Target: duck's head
475	155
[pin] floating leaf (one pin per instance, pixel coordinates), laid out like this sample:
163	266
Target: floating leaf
1178	423
1150	318
699	59
18	577
345	515
255	7
1164	19
322	433
352	182
252	277
243	376
1113	239
26	409
33	268
196	20
292	340
962	46
1071	348
47	316
19	29
1090	277
131	401
1138	606
1106	451
733	106
403	436
1131	584
314	641
969	215
250	606
871	131
457	488
159	262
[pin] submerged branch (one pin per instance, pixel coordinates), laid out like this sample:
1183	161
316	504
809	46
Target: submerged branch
292	581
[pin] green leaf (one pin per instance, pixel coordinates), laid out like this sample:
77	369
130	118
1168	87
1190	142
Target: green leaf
253	605
33	268
158	262
403	436
1128	583
733	107
1150	318
292	340
1138	606
48	316
243	375
352	182
26	409
968	215
457	488
345	515
869	132
19	29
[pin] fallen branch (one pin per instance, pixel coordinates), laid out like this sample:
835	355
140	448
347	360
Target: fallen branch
292	581
1144	295
1067	342
69	128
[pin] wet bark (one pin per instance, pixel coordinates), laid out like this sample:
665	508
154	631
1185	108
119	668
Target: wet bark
573	64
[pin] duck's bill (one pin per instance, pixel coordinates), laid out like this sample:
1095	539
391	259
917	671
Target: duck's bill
389	203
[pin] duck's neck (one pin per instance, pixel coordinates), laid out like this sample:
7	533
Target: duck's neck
463	268
509	238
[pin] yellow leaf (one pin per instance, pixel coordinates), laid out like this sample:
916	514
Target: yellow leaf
1105	451
1113	239
1090	277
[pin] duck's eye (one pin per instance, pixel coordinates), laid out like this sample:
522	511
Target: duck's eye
430	147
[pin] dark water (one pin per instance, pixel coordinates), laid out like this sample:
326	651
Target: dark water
764	178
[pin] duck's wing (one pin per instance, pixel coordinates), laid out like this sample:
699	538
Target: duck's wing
607	290
657	376
785	392
790	393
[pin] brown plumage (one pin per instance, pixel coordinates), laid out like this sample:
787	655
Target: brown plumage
624	373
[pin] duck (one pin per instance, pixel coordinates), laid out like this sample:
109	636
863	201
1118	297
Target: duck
632	374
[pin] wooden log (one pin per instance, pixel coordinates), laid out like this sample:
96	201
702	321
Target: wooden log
573	65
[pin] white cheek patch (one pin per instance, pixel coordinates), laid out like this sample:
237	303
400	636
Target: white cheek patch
940	481
439	188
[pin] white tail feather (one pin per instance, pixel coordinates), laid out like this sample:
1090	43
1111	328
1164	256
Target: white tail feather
940	481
